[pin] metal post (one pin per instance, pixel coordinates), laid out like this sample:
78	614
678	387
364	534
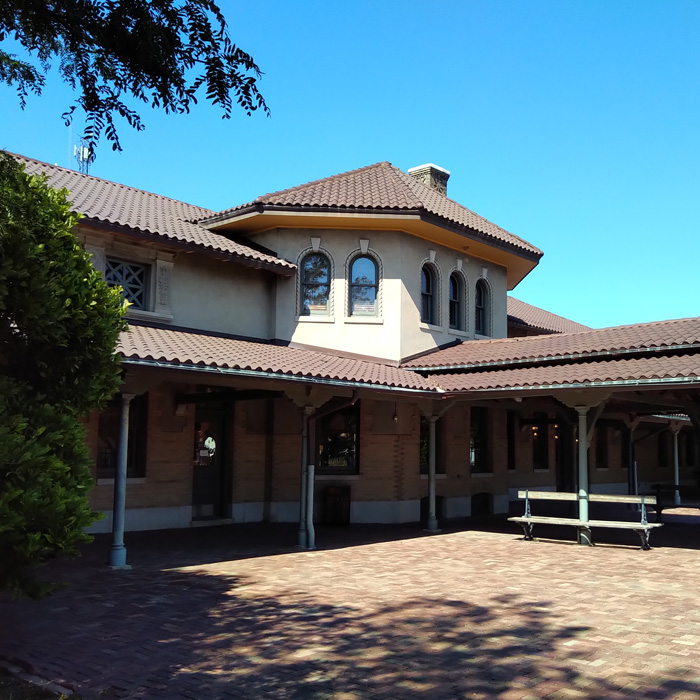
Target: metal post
311	532
676	474
584	533
432	516
304	462
117	554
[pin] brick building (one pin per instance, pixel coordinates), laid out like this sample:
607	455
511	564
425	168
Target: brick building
339	350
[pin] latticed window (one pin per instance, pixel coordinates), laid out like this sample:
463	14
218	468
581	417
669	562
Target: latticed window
455	302
427	293
315	284
132	278
481	301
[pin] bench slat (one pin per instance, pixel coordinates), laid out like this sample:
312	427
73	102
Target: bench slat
548	495
610	498
615	524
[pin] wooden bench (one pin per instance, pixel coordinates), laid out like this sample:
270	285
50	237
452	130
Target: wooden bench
642	528
665	498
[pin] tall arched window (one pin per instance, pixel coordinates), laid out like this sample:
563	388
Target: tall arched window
428	291
481	304
456	304
315	270
364	285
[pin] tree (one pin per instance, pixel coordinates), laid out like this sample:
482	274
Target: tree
59	324
157	51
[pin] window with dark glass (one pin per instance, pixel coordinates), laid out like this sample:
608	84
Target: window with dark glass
481	301
109	423
540	441
456	295
337	442
663	448
364	281
427	295
601	447
315	285
132	278
690	445
479	440
511	435
425	446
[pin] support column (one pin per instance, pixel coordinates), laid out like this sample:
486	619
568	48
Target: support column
676	472
432	515
117	554
303	532
584	536
310	531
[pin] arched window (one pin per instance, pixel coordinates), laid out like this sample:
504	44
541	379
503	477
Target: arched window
481	304
364	285
456	304
428	310
315	270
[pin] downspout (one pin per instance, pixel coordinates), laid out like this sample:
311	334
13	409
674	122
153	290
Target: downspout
676	472
584	536
304	478
432	515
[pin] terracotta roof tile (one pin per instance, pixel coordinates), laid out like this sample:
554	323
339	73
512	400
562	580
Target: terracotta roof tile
528	316
381	186
669	368
620	339
112	203
185	348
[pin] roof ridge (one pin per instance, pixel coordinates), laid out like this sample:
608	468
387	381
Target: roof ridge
20	157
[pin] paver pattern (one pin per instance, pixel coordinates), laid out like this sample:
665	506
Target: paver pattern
238	613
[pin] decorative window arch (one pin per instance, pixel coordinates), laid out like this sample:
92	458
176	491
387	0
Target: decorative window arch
457	296
315	276
429	294
482	308
364	275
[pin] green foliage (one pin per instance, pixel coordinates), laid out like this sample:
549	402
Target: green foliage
59	324
157	51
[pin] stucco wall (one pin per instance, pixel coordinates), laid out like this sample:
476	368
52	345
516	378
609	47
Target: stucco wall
396	332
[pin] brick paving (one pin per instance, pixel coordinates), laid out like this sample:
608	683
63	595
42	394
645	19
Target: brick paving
239	613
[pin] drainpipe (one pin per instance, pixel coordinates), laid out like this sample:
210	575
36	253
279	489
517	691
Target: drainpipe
117	554
432	517
310	531
676	474
584	536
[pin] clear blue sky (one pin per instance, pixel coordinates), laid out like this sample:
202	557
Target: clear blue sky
573	124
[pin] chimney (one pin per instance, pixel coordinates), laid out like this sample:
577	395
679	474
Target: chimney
432	175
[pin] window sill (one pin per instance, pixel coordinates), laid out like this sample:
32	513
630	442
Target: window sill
141	315
540	471
315	319
370	320
478	336
333	477
458	333
437	476
429	327
129	480
481	475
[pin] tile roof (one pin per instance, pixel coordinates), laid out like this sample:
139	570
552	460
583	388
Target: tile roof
681	333
382	187
527	316
112	203
637	370
185	348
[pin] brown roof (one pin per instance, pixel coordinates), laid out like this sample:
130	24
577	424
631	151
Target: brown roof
527	316
169	219
678	334
177	347
681	368
377	188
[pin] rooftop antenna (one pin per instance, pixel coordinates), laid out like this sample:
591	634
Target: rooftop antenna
82	155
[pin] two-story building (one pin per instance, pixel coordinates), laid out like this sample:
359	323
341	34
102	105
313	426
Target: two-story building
339	351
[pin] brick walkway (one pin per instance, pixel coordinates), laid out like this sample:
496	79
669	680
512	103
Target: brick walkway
474	614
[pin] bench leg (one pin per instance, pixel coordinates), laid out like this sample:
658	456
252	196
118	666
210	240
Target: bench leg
584	536
644	536
527	530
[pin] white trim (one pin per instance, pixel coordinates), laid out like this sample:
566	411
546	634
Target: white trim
315	319
368	320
